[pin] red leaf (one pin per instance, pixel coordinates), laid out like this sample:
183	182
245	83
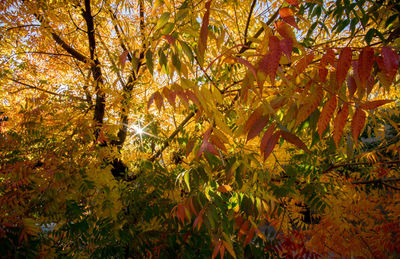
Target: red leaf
351	85
293	2
252	119
271	144
286	46
339	123
343	66
248	65
390	63
249	237
170	95
365	64
326	114
189	146
266	137
122	59
204	32
257	127
158	100
293	139
171	40
374	104
216	141
287	15
357	124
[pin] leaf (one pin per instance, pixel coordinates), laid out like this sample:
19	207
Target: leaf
171	40
122	59
310	105
216	249
303	63
170	95
266	137
351	85
202	44
248	65
269	63
328	58
293	139
257	127
256	114
149	61
285	30
326	114
162	20
224	188
374	104
271	144
390	62
357	124
217	142
189	146
286	45
343	66
365	64
229	247
158	100
287	15
249	237
293	2
339	123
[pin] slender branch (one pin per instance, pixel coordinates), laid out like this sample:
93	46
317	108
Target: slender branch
172	136
258	33
253	4
360	163
383	181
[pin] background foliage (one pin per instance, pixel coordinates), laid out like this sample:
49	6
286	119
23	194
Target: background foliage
197	129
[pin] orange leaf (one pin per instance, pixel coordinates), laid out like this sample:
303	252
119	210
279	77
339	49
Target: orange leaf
249	237
326	114
365	64
374	104
198	221
204	32
222	251
216	249
224	188
269	63
287	15
293	139
304	62
266	137
285	30
328	58
271	144
357	124
189	146
309	107
343	66
339	123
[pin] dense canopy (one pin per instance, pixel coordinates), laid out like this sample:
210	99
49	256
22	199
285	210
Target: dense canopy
198	129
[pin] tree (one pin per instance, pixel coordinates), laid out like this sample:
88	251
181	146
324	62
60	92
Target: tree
199	128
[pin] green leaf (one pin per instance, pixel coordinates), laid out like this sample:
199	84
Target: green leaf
168	28
149	61
176	62
162	20
186	49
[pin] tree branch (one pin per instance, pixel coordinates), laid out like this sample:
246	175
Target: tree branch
248	20
172	136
